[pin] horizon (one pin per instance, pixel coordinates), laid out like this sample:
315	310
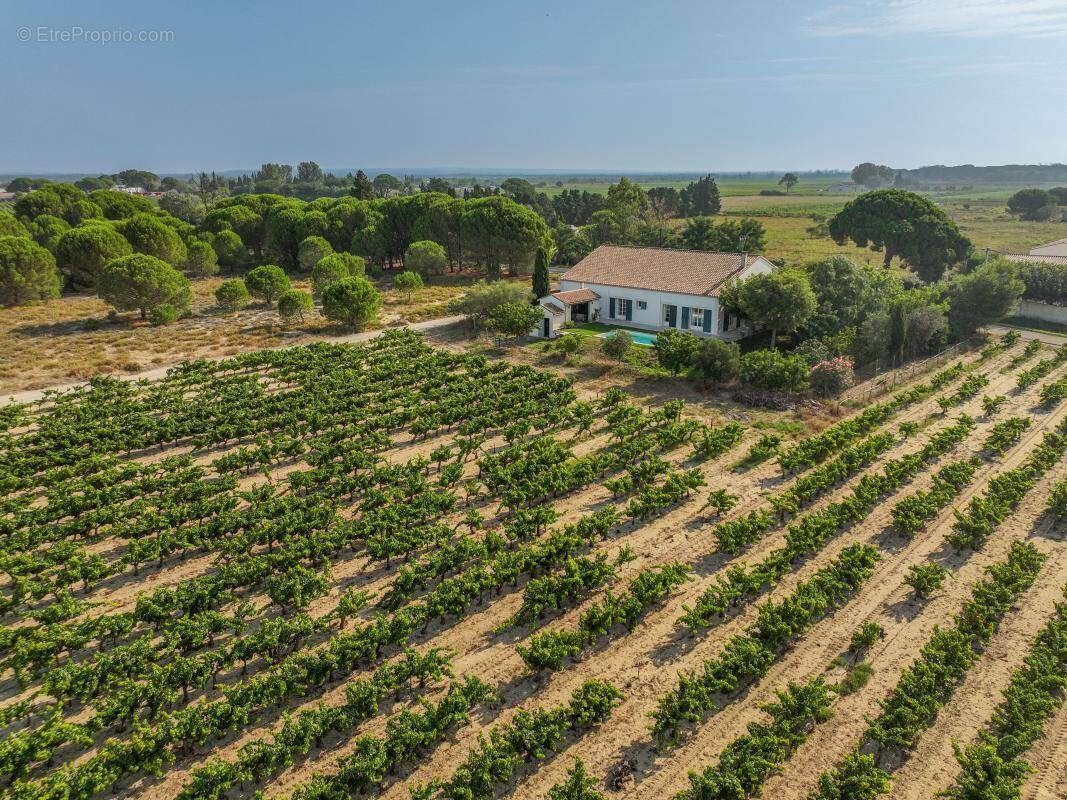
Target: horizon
615	88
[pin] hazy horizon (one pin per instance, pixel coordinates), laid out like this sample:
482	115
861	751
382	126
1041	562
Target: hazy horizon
682	87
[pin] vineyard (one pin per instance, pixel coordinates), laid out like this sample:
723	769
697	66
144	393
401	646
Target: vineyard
389	570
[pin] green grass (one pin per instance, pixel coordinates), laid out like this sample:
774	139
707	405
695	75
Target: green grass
856	678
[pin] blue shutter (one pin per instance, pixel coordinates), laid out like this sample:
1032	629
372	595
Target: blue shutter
629	310
611	308
672	316
707	320
725	321
685	317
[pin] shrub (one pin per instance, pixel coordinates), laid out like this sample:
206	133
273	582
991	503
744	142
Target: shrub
293	303
141	282
716	360
311	251
266	283
484	296
408	283
617	345
514	319
831	377
569	344
232	295
769	369
675	350
352	301
925	579
163	314
27	272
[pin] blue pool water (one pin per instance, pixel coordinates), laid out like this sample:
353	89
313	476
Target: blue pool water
646	339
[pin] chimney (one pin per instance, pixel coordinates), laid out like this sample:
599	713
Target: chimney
744	260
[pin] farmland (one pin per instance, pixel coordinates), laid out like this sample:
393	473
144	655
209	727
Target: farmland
389	569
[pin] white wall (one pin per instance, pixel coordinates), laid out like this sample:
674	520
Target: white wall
652	316
1043	311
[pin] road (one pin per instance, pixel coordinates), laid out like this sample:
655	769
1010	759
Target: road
33	395
1041	336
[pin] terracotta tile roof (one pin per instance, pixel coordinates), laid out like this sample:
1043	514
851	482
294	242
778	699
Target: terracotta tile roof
576	296
658	268
553	309
1027	258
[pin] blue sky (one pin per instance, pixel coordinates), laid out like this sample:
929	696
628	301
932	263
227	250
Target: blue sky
584	84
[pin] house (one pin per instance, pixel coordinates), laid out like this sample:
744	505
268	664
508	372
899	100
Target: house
847	187
1051	253
1056	248
651	288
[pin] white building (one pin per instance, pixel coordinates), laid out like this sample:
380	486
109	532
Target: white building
651	288
1056	248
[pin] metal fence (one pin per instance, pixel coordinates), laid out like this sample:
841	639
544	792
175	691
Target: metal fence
888	381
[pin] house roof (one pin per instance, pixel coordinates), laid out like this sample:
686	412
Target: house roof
661	269
1049	244
552	308
576	296
1032	259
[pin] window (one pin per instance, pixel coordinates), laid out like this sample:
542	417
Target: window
642	305
667	315
622	308
696	318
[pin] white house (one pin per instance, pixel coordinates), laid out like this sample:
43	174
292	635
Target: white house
651	288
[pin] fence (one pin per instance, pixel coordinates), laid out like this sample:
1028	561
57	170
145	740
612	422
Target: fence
888	381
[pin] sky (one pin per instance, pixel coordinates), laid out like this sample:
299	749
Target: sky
611	85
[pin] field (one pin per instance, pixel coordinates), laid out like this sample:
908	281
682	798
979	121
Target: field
394	570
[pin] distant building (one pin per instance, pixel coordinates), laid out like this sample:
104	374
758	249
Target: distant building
1056	248
651	288
848	187
1051	253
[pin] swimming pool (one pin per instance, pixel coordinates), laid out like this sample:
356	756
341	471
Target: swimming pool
644	339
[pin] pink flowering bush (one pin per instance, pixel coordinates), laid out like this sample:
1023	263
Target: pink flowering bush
832	375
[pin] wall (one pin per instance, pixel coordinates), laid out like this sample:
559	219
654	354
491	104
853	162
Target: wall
651	317
1042	311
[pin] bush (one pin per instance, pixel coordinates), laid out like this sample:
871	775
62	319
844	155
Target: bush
716	360
293	303
484	296
831	377
675	350
351	301
27	272
569	344
311	251
163	314
617	345
408	283
925	579
266	283
232	295
769	369
141	282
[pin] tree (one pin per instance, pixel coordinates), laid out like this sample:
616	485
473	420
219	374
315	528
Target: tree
384	184
293	303
333	268
541	286
121	205
986	295
362	188
408	283
700	233
184	205
46	230
229	249
571	245
902	224
664	202
201	259
481	298
312	250
60	200
872	174
27	272
147	234
1032	204
285	230
242	220
232	295
10	226
513	320
83	251
742	236
675	349
426	258
141	282
309	172
716	360
352	301
497	230
782	300
701	198
789	180
845	293
267	282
